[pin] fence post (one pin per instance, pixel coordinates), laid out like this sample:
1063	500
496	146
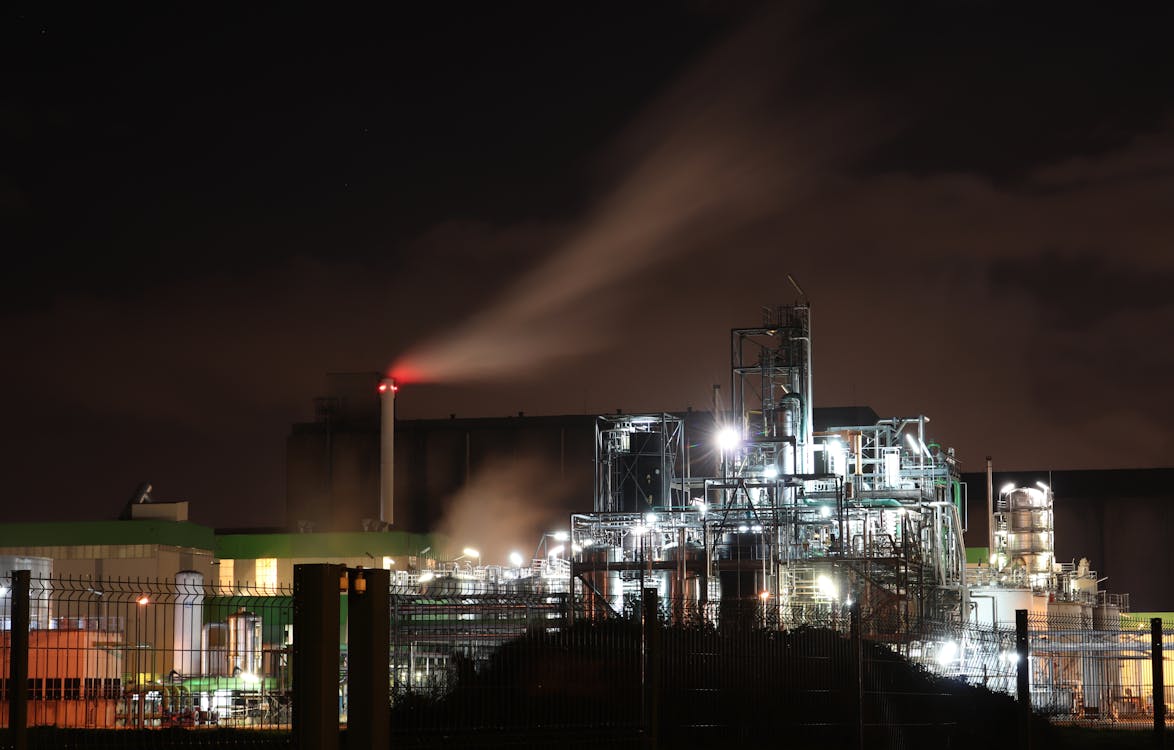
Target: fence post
651	669
856	643
1023	678
316	656
18	662
369	646
1159	682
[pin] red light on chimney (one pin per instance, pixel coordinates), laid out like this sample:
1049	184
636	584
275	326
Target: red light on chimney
383	387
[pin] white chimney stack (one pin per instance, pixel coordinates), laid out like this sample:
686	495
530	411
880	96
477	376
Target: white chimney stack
387	389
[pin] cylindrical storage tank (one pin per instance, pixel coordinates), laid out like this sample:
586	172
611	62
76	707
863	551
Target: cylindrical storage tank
740	558
214	649
681	586
189	621
997	606
603	593
40	570
1106	617
1029	527
1102	671
1065	616
244	642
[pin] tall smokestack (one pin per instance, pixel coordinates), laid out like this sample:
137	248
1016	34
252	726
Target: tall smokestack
990	507
387	389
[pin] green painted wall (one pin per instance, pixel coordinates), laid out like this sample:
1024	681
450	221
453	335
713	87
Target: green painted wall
170	533
335	544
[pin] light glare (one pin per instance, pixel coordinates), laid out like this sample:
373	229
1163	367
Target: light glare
728	438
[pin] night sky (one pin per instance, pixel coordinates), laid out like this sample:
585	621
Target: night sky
562	208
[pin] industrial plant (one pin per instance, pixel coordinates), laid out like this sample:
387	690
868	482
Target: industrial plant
765	513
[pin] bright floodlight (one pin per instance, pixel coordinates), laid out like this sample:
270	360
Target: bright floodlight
825	511
1042	486
516	559
728	438
947	653
1007	488
561	536
827	587
470	552
771	471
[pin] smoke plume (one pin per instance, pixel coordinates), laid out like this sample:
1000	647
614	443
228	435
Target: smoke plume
506	507
735	142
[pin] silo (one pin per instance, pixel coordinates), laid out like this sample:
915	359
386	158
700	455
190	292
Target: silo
244	642
189	620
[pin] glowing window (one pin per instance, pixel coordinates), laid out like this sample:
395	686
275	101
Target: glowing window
226	574
266	572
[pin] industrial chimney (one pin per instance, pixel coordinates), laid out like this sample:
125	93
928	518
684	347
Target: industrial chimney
387	389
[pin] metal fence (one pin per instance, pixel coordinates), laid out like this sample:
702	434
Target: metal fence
125	654
470	661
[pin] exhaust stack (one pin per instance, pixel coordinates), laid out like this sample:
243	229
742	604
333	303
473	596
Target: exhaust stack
387	389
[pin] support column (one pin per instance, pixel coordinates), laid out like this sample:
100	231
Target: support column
856	642
652	660
316	656
18	662
1023	678
1159	679
368	639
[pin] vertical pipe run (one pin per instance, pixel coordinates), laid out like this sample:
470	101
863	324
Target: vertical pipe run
387	389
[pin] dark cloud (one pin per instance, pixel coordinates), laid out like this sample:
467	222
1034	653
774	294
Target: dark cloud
1077	290
1001	89
214	214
